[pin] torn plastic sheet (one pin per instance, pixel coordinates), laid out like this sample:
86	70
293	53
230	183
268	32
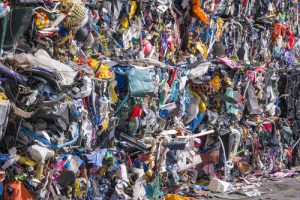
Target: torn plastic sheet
5	107
96	157
65	74
46	142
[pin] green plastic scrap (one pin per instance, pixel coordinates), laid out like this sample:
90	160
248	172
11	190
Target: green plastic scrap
282	16
226	98
108	155
229	94
21	177
153	189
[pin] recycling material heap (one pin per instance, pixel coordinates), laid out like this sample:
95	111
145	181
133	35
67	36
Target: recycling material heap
147	99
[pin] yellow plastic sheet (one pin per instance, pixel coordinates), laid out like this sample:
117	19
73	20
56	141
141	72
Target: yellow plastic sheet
103	71
202	49
216	83
26	161
93	63
133	8
105	122
3	96
220	23
113	94
125	24
202	106
78	190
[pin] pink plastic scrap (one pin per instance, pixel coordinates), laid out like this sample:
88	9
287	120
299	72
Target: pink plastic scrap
282	174
230	63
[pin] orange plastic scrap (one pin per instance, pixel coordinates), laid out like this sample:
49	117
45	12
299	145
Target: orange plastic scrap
16	191
199	12
177	197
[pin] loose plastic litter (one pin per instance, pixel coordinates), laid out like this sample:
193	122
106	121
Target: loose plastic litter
162	99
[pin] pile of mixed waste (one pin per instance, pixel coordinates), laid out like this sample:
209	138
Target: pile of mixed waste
139	99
